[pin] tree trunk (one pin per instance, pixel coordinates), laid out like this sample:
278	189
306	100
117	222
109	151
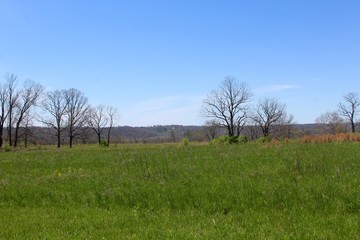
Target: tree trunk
58	138
108	136
71	141
9	135
266	131
352	127
26	138
99	138
16	135
1	136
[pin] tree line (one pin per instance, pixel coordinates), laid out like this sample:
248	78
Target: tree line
66	111
230	107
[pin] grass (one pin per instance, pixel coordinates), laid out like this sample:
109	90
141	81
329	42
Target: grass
248	191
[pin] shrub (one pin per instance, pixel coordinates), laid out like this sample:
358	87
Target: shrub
7	148
185	141
243	139
103	143
229	140
306	139
263	140
220	140
233	140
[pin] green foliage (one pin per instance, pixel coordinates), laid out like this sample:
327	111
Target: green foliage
242	139
185	141
263	140
285	191
229	140
103	143
7	147
220	140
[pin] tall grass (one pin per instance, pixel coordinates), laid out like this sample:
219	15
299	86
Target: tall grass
262	191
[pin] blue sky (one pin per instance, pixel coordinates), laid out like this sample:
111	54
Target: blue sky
157	60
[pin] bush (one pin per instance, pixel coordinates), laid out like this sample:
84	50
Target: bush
103	143
229	140
221	140
7	148
263	140
243	139
185	141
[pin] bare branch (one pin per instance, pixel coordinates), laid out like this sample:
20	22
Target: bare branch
113	115
55	104
268	113
98	120
330	123
28	98
77	112
228	105
350	108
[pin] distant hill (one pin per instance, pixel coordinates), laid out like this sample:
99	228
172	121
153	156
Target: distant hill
167	133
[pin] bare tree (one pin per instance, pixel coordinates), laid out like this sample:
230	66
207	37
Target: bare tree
77	113
284	127
330	123
113	115
228	105
3	110
349	109
173	134
26	124
56	104
12	100
98	120
269	112
252	130
28	98
211	128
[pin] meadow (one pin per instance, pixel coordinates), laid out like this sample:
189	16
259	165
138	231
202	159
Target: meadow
171	191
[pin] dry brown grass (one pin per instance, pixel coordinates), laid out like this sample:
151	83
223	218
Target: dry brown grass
329	138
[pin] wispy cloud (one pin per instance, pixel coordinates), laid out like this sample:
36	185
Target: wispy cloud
276	88
162	111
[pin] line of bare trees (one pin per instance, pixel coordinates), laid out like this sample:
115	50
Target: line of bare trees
229	107
67	112
16	105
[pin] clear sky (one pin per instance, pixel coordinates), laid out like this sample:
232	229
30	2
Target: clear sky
157	60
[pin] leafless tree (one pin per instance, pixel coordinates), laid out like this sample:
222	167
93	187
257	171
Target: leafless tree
26	125
284	128
330	123
55	103
349	109
3	109
113	116
12	101
28	98
173	134
228	105
85	135
211	128
269	112
98	120
252	130
77	113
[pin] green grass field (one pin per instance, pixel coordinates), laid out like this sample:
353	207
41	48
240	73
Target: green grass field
249	191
